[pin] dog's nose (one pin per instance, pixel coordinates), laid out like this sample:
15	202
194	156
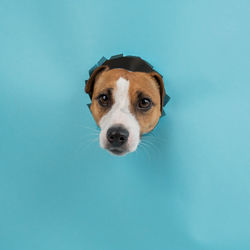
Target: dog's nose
117	136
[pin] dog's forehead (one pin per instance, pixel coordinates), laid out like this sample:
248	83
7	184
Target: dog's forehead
139	81
143	82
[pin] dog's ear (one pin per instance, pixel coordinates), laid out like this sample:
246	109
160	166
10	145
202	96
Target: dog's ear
89	87
158	78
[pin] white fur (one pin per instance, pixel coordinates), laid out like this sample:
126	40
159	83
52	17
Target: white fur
120	114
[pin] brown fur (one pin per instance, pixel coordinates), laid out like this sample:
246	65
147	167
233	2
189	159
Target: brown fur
150	84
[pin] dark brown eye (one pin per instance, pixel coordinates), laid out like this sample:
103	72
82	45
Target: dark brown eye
144	104
104	100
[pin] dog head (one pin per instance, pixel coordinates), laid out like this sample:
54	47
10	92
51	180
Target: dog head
125	104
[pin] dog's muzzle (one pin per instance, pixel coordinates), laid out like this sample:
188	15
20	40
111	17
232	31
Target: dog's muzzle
117	137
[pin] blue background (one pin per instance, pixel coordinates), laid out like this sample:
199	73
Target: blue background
187	188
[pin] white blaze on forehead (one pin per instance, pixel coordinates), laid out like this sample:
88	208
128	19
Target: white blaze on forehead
121	96
120	114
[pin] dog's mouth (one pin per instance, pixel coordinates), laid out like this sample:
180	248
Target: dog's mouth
117	151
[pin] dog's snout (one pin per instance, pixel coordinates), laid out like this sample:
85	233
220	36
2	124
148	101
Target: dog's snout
117	136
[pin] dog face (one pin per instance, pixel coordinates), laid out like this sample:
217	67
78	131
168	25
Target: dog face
125	105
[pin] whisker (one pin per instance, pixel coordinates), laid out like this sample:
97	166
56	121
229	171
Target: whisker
88	136
155	138
87	144
142	146
90	128
152	145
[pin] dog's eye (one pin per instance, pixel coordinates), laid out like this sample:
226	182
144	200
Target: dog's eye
104	100
144	104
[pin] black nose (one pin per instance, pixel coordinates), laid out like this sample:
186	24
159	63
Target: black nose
117	136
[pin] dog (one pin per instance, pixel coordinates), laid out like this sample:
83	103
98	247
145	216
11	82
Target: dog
127	99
